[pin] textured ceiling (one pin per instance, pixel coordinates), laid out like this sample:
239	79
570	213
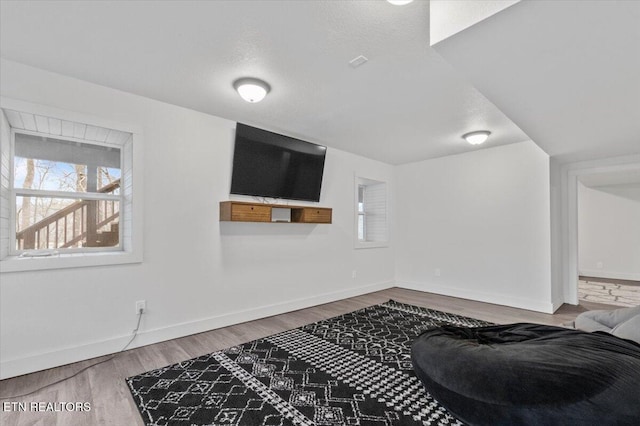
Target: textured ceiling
624	183
625	177
567	72
405	104
450	17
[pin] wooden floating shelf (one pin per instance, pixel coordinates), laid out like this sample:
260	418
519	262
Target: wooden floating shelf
241	211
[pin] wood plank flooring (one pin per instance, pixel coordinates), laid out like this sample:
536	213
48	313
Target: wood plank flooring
104	387
611	291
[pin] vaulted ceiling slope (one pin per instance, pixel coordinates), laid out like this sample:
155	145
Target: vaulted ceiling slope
405	104
566	72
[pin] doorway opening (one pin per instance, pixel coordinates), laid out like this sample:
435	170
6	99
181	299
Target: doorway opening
608	234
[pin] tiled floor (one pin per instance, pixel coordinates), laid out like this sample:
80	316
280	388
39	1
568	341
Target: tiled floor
594	290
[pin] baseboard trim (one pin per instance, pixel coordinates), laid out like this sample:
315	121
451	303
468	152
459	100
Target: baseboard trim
19	366
556	305
599	273
532	305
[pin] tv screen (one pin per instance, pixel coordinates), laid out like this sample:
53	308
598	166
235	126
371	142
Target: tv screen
267	164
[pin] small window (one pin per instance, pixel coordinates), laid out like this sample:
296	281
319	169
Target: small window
371	213
67	183
67	194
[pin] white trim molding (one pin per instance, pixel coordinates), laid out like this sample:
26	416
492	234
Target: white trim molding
600	273
544	306
19	366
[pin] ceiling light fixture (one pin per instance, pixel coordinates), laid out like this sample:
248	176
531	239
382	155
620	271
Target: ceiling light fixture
251	89
399	2
476	138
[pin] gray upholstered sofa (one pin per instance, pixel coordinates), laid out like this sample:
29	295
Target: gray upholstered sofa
623	322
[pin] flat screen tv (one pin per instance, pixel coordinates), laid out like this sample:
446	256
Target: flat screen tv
267	164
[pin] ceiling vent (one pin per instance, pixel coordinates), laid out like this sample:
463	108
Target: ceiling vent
358	61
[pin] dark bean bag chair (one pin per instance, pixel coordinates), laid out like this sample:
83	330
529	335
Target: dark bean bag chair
530	374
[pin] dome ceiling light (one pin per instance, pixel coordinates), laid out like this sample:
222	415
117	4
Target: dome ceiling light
476	138
251	89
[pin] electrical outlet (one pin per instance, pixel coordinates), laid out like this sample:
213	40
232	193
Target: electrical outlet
436	272
141	306
354	274
599	265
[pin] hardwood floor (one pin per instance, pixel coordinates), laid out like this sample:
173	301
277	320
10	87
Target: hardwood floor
111	403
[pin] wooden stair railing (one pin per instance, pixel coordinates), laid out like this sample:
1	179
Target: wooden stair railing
67	226
80	237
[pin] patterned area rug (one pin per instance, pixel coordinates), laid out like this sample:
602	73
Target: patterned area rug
354	369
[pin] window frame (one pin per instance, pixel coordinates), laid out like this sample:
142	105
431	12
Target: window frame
16	192
364	244
130	249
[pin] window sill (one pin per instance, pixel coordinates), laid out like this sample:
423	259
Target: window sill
70	260
370	244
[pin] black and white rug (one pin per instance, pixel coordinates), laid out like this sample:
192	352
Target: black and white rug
354	369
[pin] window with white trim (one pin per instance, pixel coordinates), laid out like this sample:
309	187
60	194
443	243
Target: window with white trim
66	190
371	213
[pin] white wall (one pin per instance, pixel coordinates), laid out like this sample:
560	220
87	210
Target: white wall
198	273
609	231
481	218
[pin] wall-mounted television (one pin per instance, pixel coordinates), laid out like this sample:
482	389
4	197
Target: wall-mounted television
267	164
